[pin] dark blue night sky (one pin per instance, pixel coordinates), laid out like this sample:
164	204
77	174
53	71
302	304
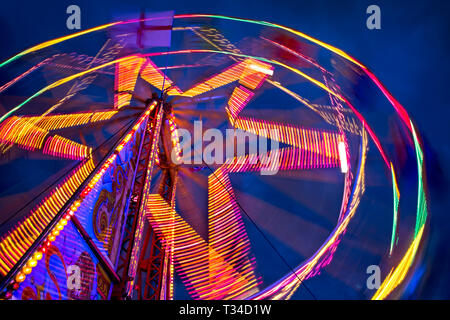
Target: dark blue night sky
409	55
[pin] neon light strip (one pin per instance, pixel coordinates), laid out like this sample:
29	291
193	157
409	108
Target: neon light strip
343	157
422	202
13	81
397	275
261	69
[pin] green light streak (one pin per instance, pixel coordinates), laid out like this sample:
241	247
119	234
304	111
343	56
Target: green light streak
421	216
396	203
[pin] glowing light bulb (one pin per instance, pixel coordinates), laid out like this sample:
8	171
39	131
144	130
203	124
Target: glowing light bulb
32	263
37	255
20	277
26	270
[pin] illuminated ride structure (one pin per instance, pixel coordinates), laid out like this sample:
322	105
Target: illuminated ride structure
101	200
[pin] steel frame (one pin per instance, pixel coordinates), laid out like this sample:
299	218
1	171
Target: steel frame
154	269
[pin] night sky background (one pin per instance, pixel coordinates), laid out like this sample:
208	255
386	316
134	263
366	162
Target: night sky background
409	55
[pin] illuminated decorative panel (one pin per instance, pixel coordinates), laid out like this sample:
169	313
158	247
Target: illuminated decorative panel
102	209
53	278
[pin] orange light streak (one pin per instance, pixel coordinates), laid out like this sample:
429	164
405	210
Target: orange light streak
204	271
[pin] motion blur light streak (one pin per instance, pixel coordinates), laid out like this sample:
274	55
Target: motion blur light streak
343	157
212	276
61	121
31	132
22	132
397	275
61	147
239	98
126	76
307	139
154	76
396	203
